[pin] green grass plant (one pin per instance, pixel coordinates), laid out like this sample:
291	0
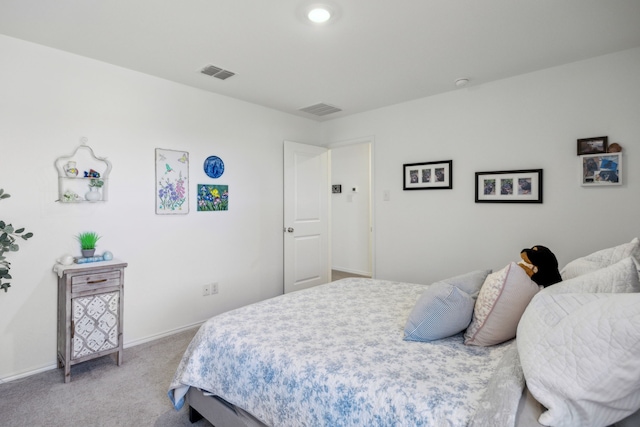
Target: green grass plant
88	239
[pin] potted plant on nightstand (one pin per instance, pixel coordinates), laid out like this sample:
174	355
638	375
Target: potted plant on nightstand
88	242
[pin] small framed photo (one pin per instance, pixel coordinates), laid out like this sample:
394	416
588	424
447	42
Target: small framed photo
428	175
517	186
601	169
593	145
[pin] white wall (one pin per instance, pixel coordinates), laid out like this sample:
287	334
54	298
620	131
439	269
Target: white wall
350	210
49	100
527	122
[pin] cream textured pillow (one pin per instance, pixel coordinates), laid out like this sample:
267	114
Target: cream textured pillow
579	354
601	259
502	300
617	278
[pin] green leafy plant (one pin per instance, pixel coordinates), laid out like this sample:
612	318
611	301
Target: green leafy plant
95	182
88	240
8	235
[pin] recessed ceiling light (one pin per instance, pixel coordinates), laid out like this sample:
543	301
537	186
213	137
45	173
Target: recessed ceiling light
319	15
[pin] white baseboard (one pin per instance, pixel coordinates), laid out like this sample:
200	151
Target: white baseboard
133	343
162	334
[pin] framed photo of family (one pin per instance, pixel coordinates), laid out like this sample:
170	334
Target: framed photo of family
601	169
516	186
428	175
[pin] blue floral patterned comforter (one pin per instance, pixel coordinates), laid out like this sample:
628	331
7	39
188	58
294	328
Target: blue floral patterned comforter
334	356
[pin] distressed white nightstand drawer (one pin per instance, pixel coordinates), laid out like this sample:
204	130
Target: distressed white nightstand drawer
86	282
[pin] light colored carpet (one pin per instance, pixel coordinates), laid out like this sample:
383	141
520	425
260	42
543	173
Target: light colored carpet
101	393
337	275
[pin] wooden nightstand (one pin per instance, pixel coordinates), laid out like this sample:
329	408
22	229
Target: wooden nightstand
90	309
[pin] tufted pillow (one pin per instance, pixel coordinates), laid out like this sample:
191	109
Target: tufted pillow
445	307
601	259
617	278
579	354
502	300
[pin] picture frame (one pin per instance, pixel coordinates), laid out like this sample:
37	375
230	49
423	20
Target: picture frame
172	182
595	145
514	186
213	197
428	175
599	170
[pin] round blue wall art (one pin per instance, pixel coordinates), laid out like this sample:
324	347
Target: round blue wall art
214	166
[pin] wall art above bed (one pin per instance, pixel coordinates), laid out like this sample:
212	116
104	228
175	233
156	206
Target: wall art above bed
596	145
601	169
428	175
516	186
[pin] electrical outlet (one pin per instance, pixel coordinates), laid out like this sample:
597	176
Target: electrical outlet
206	290
214	288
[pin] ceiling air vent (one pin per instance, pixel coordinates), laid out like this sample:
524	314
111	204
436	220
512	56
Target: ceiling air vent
217	72
321	109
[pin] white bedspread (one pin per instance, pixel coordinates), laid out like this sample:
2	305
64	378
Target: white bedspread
334	356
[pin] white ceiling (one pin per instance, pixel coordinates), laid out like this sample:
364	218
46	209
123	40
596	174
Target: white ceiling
375	53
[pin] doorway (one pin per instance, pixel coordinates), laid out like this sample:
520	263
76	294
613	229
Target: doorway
351	209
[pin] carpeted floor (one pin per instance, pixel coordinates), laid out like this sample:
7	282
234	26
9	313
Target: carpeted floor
102	393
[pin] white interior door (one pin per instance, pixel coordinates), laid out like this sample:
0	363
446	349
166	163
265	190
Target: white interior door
306	216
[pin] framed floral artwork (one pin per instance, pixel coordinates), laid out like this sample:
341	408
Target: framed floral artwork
213	197
172	182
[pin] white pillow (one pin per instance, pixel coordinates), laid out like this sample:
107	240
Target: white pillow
445	308
600	259
619	277
503	297
579	354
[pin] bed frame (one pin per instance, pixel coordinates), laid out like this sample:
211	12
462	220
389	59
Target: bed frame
221	413
218	411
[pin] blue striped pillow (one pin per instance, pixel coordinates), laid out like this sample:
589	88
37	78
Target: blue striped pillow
445	308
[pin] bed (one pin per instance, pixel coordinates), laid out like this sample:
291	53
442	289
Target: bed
365	352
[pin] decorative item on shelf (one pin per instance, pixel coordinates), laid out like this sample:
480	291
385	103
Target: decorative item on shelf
8	243
72	179
88	242
70	169
66	259
70	196
595	145
93	195
614	148
106	256
85	260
